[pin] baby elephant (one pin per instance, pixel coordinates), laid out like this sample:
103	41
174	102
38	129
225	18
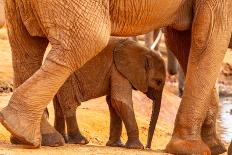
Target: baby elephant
122	66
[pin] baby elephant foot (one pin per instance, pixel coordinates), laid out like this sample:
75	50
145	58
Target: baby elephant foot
215	145
77	138
25	130
134	144
52	139
180	146
115	143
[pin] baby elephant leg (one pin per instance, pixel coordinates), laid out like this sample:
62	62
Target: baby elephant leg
115	127
50	136
121	101
74	134
66	105
209	132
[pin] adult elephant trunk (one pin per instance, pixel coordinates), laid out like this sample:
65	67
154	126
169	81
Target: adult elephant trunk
156	96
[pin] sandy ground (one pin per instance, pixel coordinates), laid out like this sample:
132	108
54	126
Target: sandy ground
93	118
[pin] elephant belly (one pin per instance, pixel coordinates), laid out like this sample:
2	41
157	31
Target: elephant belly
130	17
93	78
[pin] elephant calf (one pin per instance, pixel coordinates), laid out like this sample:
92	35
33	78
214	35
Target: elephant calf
122	66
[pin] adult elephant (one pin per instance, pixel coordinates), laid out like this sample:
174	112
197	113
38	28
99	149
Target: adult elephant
78	30
174	68
2	14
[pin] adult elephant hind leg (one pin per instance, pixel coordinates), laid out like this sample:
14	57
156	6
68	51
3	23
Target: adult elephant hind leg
210	39
70	50
115	126
209	133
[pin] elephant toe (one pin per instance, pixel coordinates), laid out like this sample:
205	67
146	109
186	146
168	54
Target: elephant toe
115	143
134	144
77	139
180	146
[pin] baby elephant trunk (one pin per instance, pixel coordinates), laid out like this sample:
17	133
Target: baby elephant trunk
156	96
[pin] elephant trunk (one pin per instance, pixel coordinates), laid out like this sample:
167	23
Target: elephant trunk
156	96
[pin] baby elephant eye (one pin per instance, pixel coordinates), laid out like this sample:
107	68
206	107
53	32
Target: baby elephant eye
159	82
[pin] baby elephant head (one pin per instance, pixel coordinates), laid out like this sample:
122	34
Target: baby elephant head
146	72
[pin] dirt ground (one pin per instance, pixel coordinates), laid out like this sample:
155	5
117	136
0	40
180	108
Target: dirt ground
93	118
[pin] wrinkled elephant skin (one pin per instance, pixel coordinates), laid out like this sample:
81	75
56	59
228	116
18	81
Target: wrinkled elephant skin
79	30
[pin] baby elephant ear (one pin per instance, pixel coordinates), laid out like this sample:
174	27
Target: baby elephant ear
129	60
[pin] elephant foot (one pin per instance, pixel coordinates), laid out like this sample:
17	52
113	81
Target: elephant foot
15	141
77	138
25	130
115	143
215	145
50	137
180	146
134	144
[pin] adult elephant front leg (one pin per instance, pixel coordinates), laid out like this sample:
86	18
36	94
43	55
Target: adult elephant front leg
72	45
27	55
210	39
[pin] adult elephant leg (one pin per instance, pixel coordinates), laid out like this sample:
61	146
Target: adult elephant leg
115	126
172	65
181	79
210	39
27	57
150	37
181	51
70	50
209	131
